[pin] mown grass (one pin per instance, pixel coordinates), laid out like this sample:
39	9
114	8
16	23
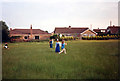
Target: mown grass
85	59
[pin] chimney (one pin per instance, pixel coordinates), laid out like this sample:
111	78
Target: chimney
31	26
69	27
10	29
110	23
90	26
31	30
113	25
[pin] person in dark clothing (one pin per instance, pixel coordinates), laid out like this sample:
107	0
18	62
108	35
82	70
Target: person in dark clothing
51	43
57	46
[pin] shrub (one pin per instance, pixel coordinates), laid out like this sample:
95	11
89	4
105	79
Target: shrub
101	37
66	38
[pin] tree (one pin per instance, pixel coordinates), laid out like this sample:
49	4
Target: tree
46	31
55	36
5	32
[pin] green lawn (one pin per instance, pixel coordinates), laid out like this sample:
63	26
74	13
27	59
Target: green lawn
85	59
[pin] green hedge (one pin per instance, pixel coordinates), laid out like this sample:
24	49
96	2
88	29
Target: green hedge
66	38
101	37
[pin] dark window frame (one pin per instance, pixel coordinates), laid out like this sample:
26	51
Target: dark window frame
37	37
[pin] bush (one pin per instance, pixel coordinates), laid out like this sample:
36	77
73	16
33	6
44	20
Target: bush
55	36
66	38
101	37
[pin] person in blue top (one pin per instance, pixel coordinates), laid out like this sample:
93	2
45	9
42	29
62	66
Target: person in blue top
57	46
51	43
63	47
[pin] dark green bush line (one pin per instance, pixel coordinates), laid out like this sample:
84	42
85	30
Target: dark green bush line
101	37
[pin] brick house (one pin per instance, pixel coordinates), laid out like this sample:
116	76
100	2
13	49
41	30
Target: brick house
74	31
110	30
113	29
29	34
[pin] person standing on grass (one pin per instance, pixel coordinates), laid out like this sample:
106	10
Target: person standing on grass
57	46
63	47
51	43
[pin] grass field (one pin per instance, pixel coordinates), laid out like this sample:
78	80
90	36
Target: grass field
85	59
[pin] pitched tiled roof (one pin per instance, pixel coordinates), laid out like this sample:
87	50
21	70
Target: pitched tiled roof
114	29
27	31
69	30
99	30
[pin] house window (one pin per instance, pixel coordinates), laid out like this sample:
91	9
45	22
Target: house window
91	34
102	30
85	35
26	37
68	35
36	37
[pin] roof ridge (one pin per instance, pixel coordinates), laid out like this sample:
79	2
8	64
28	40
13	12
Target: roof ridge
26	31
71	28
99	29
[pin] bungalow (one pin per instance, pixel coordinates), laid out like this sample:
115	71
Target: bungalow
74	31
29	34
113	29
110	30
100	31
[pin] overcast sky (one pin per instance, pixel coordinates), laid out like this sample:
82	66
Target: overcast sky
48	14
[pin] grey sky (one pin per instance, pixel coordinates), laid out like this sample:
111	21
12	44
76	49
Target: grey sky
48	14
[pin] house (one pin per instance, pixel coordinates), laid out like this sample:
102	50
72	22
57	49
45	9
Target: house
100	31
113	29
110	30
75	31
29	34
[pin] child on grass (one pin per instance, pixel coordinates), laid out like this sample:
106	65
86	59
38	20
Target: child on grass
63	47
51	43
57	46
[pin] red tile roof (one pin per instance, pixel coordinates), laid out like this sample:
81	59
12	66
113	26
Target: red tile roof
27	31
114	29
69	29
